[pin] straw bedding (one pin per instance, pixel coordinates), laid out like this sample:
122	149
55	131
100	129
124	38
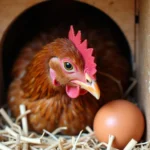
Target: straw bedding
14	135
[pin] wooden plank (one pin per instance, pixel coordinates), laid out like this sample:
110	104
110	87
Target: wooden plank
143	65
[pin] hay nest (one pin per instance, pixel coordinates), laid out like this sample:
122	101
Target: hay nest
14	135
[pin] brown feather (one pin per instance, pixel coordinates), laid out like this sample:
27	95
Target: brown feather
50	106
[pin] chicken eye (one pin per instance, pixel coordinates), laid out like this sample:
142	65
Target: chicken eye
68	66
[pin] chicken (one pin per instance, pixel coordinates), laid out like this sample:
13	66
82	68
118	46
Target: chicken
59	83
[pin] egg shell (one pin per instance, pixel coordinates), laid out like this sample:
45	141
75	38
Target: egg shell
120	118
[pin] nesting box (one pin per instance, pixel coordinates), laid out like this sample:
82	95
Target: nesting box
131	19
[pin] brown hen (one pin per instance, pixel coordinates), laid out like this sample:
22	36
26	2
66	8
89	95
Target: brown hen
40	82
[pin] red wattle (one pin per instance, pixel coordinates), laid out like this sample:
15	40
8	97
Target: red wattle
73	91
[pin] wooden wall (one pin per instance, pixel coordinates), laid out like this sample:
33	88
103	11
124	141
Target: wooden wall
143	63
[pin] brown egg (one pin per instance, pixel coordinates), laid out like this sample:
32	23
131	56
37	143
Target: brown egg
120	118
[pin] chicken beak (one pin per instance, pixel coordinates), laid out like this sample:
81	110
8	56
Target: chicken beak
91	86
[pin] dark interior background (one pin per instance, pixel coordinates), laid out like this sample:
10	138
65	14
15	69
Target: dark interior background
52	14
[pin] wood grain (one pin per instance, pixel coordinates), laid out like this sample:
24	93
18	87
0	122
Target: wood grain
143	64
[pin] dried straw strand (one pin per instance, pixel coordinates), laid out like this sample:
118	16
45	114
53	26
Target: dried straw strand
130	145
3	147
110	141
6	117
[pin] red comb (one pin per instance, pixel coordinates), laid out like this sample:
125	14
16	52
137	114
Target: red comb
90	66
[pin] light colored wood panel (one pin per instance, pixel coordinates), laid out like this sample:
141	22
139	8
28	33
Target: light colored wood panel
122	12
143	65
